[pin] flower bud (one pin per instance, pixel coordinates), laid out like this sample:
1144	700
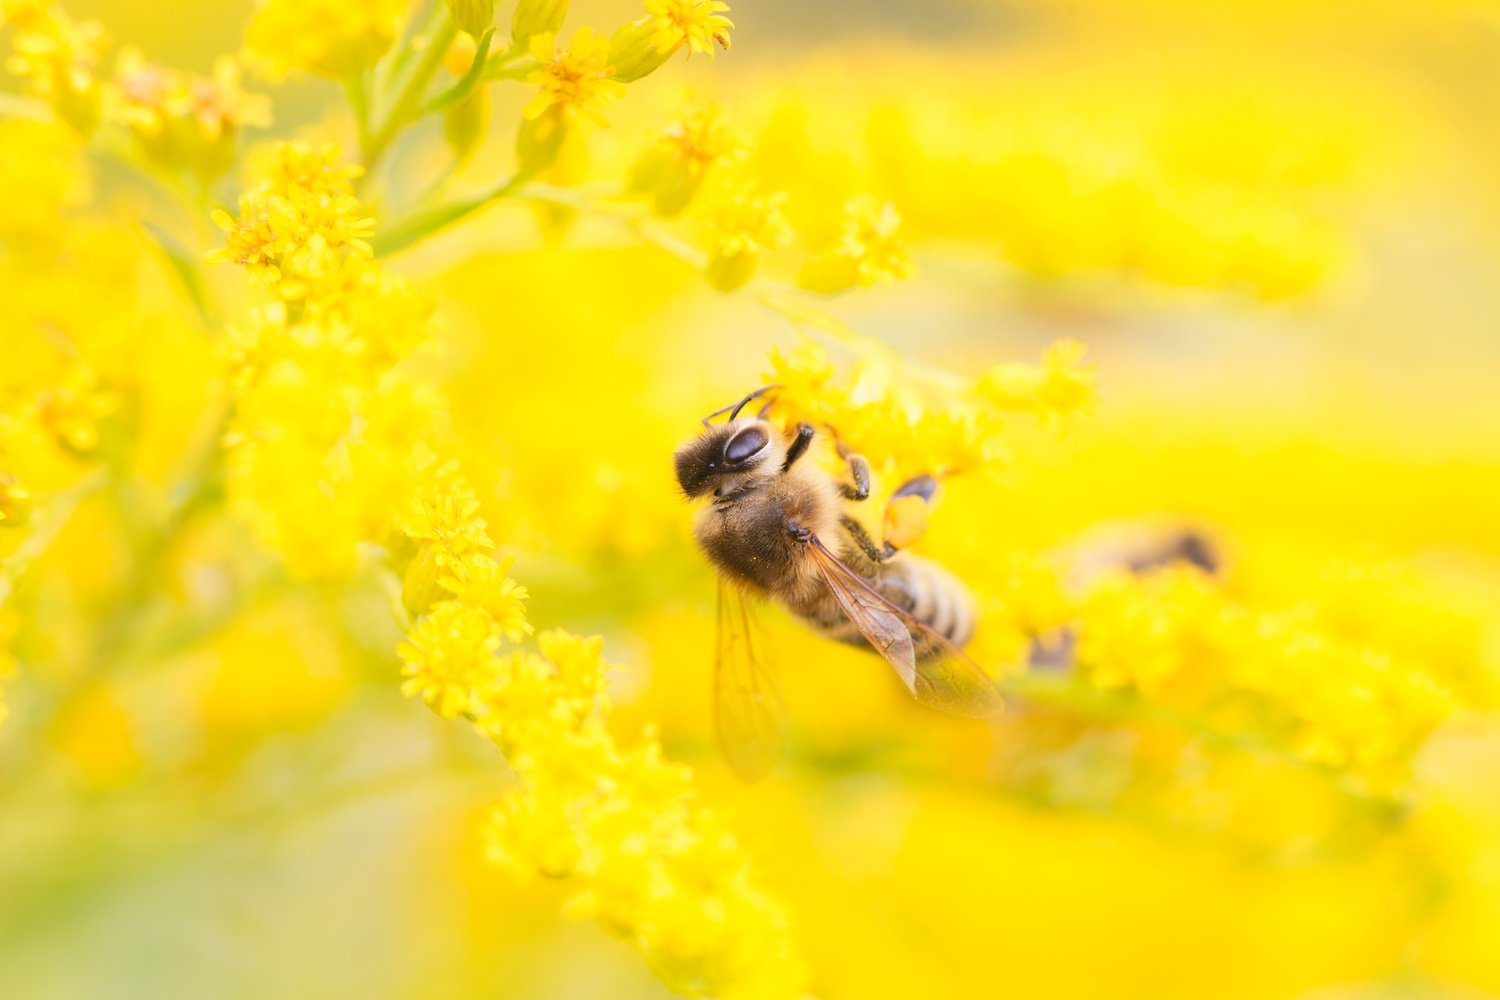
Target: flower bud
473	16
536	17
730	268
670	180
465	124
422	584
540	140
633	52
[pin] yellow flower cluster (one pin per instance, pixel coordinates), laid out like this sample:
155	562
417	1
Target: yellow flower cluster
331	38
908	421
58	58
1282	675
870	250
318	409
704	163
182	121
323	417
300	226
676	165
1066	180
650	863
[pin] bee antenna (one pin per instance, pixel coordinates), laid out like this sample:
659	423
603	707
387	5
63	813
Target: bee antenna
734	409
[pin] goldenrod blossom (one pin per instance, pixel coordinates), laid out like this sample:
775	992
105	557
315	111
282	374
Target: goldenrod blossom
869	252
296	227
700	24
743	223
59	60
579	80
1059	387
183	121
674	167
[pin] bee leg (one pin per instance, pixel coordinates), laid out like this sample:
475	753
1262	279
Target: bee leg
859	471
799	444
862	539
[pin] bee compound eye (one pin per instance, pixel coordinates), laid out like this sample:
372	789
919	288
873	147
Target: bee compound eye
745	444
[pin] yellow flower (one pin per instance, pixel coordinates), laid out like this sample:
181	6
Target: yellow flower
674	167
449	655
73	409
444	513
331	38
59	60
297	228
698	23
869	252
1059	387
184	121
483	582
743	223
578	80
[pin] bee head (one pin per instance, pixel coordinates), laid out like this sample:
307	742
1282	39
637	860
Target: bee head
725	454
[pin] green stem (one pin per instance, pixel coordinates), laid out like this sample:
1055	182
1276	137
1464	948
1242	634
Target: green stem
409	100
357	89
422	224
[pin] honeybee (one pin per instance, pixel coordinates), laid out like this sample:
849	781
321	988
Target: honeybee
775	528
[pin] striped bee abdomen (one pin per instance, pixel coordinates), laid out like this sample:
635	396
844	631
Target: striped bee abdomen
917	586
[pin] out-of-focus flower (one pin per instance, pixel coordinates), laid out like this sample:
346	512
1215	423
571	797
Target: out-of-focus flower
15	502
59	59
742	224
73	409
472	16
1176	636
578	80
536	17
184	121
869	252
674	167
1061	385
328	37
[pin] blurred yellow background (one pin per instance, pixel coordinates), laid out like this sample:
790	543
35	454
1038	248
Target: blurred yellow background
1275	228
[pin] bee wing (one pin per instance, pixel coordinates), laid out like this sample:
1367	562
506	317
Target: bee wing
748	709
951	681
